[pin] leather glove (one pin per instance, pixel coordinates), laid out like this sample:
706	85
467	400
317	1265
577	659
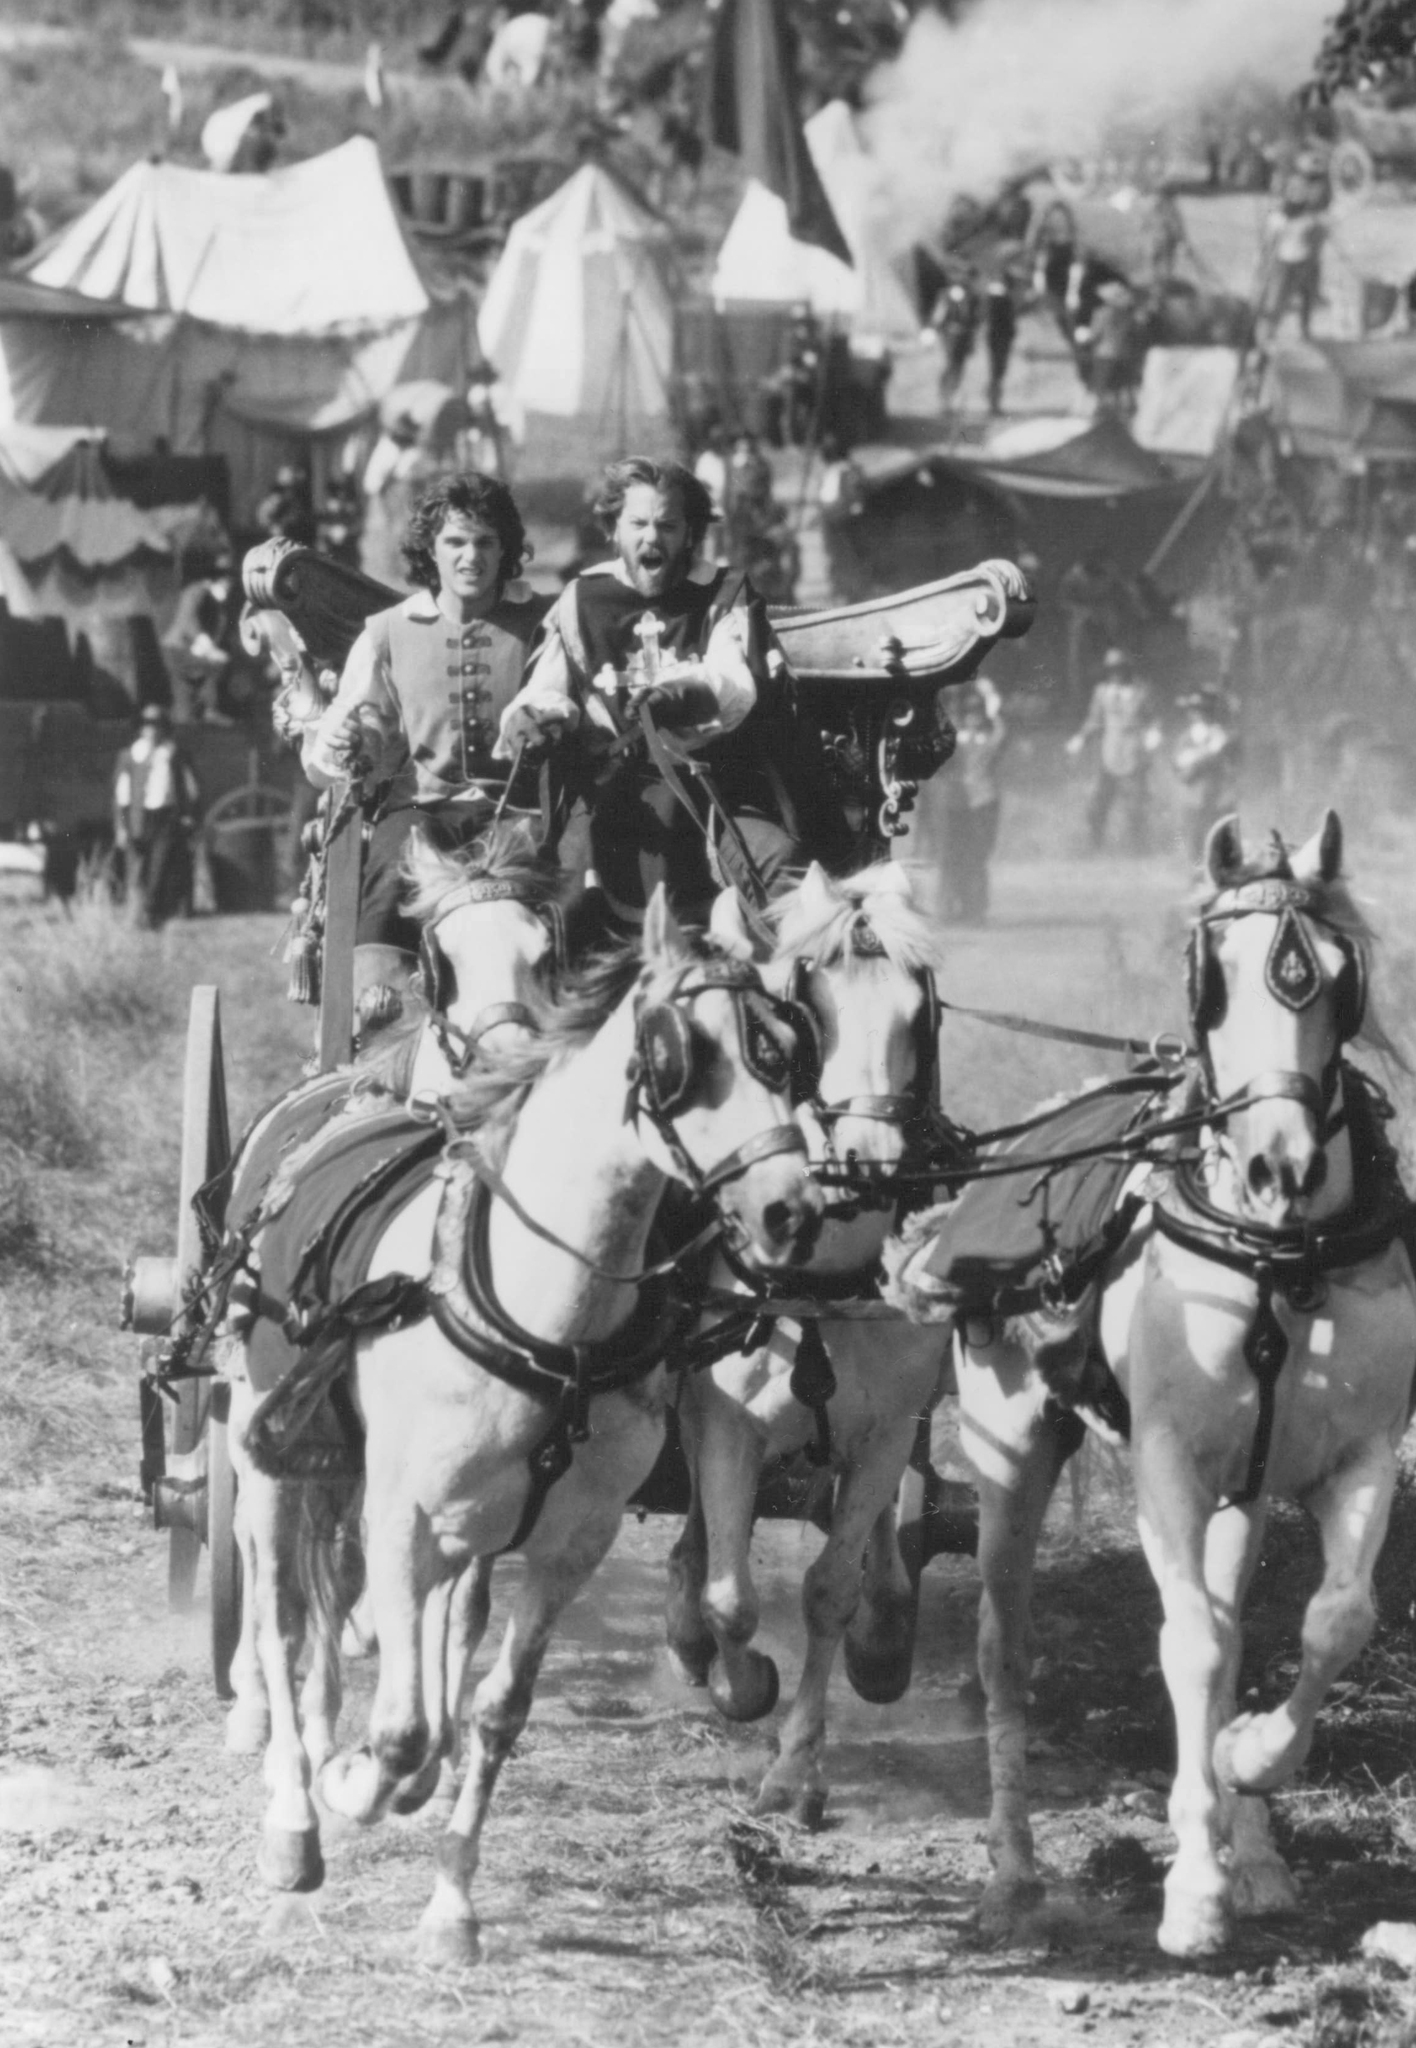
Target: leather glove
680	702
528	725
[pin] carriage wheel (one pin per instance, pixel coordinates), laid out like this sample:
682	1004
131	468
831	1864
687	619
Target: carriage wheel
1352	171
206	1147
221	1546
934	1516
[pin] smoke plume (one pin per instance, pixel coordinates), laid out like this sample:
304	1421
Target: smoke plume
1015	83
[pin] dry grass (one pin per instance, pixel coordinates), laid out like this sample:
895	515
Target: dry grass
79	995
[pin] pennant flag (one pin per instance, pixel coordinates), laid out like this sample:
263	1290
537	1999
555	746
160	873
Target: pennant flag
172	93
752	112
374	77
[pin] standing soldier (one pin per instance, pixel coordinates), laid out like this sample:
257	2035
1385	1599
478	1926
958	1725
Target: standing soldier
416	712
1122	718
1206	763
653	627
955	319
155	800
972	800
1000	328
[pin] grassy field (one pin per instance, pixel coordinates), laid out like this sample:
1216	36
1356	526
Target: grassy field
627	1896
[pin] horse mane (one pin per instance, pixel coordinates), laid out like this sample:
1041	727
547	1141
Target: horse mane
1334	905
506	852
869	901
567	1018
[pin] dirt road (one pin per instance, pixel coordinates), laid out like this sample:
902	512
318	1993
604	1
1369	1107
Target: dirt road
627	1897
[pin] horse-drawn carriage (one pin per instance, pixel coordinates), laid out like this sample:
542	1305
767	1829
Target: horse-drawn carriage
872	674
1238	1296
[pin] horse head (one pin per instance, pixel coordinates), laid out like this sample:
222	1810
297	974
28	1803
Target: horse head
1277	984
854	964
712	1072
490	937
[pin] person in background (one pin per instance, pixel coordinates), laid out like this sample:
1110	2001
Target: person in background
955	319
759	539
1000	329
155	813
337	533
711	470
199	643
972	800
1206	764
396	468
496	425
840	501
1113	352
287	509
1122	718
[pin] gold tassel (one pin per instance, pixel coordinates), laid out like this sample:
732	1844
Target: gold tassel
302	955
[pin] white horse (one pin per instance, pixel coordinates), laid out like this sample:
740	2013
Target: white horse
847	1393
525	1409
490	926
1261	1318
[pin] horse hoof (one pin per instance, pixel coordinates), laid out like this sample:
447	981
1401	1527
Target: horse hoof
353	1786
881	1679
247	1730
1262	1891
449	1944
1004	1907
810	1808
1193	1927
290	1860
412	1794
757	1697
690	1664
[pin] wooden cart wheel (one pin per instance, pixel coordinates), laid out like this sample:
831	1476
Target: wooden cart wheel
221	1547
934	1516
206	1147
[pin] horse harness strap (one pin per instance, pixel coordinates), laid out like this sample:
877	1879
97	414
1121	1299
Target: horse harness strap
565	1377
1290	1263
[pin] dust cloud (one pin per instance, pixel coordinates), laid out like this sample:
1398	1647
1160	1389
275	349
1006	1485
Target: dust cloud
1015	84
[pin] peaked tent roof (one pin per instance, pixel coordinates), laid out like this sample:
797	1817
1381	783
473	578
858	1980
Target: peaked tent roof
760	262
22	299
1339	398
302	251
1101	462
577	317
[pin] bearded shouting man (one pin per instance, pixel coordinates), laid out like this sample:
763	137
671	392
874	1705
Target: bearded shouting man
652	627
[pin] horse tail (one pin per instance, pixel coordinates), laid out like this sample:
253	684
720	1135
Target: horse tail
329	1555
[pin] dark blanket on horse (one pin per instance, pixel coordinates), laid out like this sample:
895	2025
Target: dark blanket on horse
311	1209
1007	1241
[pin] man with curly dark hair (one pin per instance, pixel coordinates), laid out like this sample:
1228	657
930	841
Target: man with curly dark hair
691	641
417	710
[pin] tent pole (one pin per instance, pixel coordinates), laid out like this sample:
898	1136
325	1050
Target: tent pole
1191	506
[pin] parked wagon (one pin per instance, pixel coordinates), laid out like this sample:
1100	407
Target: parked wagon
1374	143
871	673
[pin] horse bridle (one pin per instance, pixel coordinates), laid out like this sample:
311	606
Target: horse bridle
662	1081
914	1113
458	1043
1293	976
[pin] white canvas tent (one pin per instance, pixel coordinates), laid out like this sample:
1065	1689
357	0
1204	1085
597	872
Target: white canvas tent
578	322
264	310
74	549
759	263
